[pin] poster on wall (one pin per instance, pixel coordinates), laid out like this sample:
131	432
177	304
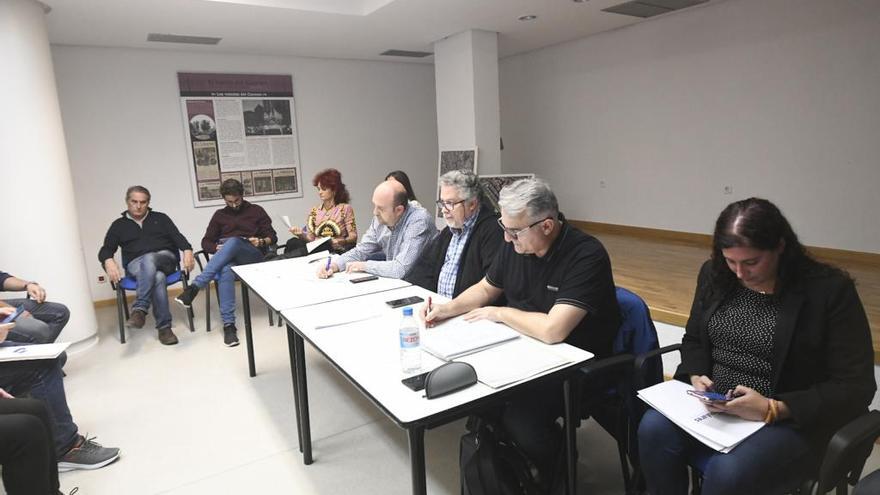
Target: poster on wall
243	127
455	160
492	185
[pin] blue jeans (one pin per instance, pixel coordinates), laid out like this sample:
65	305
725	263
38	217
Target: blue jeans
235	251
44	381
149	270
43	327
773	460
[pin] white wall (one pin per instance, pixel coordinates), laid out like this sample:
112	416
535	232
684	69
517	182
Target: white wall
122	121
777	99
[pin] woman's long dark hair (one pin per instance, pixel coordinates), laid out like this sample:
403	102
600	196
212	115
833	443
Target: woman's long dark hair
758	223
400	176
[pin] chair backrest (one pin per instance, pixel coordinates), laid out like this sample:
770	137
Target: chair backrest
637	334
847	451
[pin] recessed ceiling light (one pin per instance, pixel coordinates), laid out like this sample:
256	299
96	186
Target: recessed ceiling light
580	1
529	17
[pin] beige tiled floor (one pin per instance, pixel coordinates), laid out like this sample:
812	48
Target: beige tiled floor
189	420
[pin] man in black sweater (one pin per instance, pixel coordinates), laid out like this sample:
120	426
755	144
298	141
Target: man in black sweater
461	254
150	243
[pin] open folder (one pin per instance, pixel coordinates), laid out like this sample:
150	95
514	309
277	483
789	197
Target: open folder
720	431
457	337
32	351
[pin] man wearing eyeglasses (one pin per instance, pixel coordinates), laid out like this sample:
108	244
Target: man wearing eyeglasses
559	288
399	231
460	256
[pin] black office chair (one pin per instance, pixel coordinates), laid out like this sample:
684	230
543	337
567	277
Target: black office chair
610	394
130	284
844	456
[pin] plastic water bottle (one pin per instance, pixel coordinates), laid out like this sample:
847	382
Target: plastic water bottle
410	354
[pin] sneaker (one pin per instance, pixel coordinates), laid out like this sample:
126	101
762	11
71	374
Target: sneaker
137	318
167	337
87	454
230	337
186	297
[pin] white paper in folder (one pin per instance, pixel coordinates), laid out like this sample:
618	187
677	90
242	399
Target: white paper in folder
513	361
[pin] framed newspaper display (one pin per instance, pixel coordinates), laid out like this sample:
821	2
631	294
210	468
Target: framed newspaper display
240	126
455	160
492	185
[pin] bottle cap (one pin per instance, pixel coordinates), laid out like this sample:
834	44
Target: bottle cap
407	311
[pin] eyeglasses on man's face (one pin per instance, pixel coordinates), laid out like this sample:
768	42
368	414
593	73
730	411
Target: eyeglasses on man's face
448	205
515	233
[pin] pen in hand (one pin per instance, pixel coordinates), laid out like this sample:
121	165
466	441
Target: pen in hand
327	268
429	323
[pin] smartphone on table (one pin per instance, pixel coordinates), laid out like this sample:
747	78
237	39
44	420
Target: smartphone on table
416	382
406	301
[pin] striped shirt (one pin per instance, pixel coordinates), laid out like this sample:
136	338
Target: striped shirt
449	271
402	244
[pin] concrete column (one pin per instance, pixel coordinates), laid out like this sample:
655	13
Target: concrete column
468	115
39	227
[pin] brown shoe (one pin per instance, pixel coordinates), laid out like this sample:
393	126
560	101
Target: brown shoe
167	337
136	320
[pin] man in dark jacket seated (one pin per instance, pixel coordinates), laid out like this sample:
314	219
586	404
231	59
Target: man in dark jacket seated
150	245
464	250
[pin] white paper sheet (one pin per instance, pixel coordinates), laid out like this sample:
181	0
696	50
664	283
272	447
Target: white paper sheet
33	351
513	361
457	337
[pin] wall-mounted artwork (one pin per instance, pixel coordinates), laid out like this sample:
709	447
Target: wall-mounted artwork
455	160
492	184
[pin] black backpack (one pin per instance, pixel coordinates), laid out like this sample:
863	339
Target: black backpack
491	464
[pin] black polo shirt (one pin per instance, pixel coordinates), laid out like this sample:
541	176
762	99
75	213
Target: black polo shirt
576	270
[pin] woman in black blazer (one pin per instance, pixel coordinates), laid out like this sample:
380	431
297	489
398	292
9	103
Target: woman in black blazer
783	334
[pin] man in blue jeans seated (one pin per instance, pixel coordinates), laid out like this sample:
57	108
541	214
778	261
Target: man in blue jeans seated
238	234
42	320
150	243
44	381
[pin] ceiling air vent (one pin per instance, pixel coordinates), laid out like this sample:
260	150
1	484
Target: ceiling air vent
179	38
650	8
405	53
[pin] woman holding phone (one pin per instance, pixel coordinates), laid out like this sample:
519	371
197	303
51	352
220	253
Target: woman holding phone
785	338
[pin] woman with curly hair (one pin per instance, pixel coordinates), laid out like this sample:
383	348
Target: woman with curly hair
333	218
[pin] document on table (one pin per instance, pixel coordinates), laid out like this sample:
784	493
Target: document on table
719	431
513	361
31	352
337	314
457	337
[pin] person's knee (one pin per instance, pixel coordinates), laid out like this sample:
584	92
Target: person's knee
25	430
723	477
654	429
159	279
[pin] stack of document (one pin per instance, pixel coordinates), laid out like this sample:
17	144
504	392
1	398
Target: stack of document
513	361
457	337
33	351
719	431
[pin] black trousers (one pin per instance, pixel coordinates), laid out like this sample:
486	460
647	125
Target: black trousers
27	450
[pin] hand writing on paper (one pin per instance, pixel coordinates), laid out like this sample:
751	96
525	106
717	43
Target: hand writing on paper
326	272
434	315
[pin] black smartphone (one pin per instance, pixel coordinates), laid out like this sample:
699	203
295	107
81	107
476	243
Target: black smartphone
406	301
416	382
364	279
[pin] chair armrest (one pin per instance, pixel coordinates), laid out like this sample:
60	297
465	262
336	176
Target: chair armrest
847	451
199	255
639	380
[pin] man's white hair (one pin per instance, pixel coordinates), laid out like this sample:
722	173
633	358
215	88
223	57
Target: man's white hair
532	196
464	181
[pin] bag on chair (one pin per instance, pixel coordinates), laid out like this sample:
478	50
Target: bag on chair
493	465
